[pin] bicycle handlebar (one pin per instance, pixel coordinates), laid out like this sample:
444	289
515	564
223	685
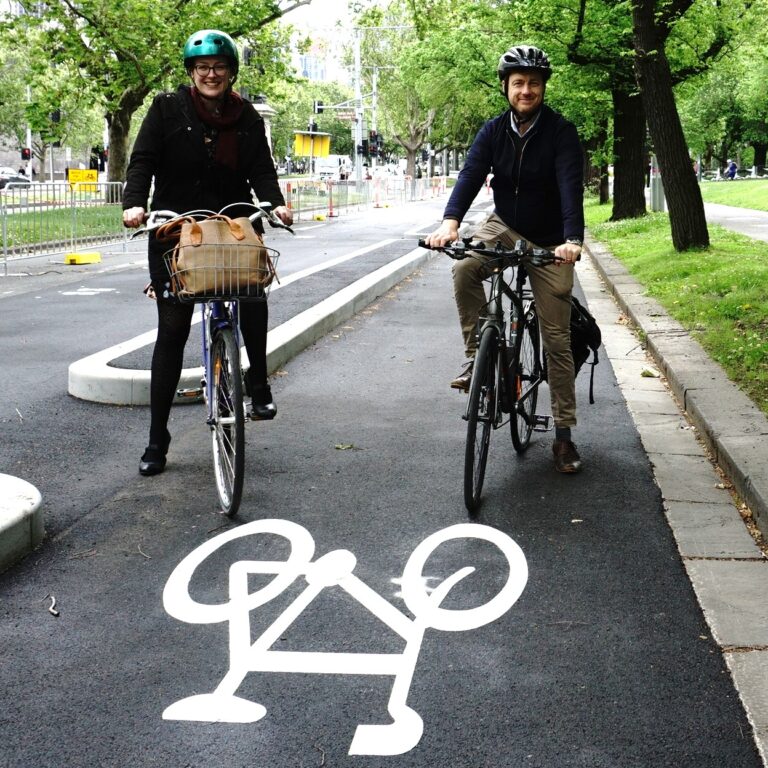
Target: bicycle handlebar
154	219
467	248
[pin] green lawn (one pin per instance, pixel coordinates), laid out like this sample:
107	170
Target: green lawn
743	193
719	294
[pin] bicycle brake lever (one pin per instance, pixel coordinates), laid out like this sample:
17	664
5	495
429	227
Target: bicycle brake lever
276	223
541	256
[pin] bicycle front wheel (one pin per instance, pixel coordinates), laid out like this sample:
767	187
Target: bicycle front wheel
526	377
228	420
481	416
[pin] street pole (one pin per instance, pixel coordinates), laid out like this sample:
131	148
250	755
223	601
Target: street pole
358	109
374	153
29	138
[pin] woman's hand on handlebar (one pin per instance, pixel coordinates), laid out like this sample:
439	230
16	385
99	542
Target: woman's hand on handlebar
134	217
446	233
284	214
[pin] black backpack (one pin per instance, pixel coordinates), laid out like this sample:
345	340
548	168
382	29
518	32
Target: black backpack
585	336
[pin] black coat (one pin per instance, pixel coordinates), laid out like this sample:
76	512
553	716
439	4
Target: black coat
542	196
170	148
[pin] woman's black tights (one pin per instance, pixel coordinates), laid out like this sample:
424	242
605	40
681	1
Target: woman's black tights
173	323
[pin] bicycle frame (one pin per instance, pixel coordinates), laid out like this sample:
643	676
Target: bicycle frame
216	315
518	295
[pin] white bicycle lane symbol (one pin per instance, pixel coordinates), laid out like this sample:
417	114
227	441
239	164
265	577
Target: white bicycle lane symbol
333	569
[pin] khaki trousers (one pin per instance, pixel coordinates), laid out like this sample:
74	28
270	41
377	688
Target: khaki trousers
551	285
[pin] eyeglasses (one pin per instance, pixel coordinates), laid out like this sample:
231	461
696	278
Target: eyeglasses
205	69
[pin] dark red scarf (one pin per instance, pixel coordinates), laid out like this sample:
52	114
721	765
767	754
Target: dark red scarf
226	141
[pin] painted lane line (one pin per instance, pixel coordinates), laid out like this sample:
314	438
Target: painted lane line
334	262
92	378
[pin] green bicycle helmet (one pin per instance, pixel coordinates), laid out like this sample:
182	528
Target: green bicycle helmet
211	42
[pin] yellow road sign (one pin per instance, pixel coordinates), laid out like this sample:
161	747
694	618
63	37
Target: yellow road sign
78	175
307	144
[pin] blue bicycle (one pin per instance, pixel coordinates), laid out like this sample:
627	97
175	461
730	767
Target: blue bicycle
227	277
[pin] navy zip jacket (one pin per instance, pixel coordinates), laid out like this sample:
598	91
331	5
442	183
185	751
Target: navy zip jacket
542	199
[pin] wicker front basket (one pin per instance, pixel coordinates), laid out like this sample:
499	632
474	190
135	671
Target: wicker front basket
210	272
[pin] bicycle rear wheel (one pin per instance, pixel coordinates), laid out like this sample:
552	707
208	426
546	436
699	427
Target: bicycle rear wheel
481	416
228	420
526	377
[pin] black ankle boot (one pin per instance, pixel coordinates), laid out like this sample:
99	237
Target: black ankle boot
262	406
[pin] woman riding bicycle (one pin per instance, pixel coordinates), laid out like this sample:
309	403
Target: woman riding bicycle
206	148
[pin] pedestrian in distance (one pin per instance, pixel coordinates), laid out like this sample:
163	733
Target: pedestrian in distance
206	148
536	160
731	170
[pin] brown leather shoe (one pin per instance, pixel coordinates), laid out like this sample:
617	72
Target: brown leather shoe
567	459
463	380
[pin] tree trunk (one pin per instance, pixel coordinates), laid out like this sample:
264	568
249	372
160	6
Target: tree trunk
686	209
629	155
119	128
761	148
595	173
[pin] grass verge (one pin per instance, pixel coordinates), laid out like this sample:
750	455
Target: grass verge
743	193
720	294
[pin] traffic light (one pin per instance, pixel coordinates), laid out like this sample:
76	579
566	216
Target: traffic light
318	107
365	147
26	153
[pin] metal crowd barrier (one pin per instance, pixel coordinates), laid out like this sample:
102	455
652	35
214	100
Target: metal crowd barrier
58	217
309	198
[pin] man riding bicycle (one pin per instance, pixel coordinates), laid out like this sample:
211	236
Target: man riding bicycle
536	160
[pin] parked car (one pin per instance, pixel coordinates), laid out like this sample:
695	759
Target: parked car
16	179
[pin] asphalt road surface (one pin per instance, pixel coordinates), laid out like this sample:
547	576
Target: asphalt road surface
575	641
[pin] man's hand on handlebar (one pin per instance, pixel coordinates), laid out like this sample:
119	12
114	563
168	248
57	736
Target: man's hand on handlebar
134	217
446	233
570	253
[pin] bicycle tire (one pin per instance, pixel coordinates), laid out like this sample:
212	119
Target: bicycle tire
526	375
481	416
227	420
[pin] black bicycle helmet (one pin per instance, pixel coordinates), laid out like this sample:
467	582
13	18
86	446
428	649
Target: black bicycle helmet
521	57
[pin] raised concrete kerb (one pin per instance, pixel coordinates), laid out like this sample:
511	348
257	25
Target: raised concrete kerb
93	379
21	519
735	430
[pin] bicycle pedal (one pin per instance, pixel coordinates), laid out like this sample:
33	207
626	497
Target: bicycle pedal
543	423
190	394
